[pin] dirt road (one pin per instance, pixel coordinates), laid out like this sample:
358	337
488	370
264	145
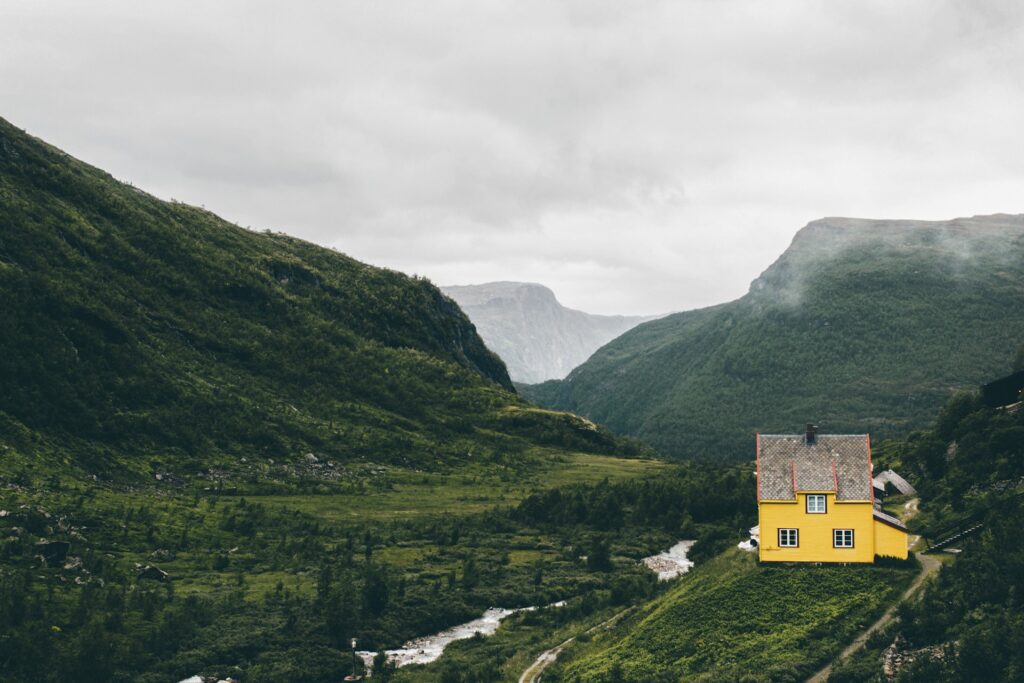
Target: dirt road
532	674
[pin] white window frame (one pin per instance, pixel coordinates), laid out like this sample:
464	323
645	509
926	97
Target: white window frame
842	538
789	538
817	498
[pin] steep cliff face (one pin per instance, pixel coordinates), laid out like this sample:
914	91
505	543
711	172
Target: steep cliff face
537	337
861	325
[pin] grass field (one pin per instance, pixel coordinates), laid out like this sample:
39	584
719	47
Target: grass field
733	618
159	519
412	495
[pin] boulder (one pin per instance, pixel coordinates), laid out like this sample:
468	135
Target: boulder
152	573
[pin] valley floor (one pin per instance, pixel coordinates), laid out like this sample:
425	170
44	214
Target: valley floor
272	585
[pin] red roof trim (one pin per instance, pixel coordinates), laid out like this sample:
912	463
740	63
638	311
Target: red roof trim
871	481
758	458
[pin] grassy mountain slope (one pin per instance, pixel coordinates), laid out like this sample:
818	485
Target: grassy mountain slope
859	326
160	332
733	620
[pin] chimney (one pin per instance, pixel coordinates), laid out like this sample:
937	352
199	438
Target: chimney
811	437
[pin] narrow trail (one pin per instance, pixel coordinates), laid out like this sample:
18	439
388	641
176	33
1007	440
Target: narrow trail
533	673
929	565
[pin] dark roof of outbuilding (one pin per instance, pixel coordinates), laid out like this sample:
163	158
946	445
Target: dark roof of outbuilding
890	520
834	462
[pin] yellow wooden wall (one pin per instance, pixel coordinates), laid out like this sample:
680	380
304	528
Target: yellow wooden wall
816	530
890	542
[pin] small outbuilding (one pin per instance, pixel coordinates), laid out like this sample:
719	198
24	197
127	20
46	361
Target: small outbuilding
1005	391
896	481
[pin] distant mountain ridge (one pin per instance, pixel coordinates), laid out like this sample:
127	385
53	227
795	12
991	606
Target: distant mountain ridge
861	325
537	337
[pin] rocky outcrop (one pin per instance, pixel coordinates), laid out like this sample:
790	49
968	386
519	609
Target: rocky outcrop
896	656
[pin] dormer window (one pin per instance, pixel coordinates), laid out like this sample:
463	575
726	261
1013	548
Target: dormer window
816	504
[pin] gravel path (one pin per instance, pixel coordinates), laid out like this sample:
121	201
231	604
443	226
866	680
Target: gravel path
532	674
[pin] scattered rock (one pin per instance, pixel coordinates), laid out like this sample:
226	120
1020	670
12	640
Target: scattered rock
895	657
152	573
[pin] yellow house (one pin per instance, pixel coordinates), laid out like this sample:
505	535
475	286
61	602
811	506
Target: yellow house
816	502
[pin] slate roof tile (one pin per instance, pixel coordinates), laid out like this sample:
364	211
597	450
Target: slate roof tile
834	462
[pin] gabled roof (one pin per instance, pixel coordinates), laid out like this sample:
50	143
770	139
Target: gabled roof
786	463
900	484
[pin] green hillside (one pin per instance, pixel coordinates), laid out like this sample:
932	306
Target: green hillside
301	448
732	620
864	326
968	625
149	335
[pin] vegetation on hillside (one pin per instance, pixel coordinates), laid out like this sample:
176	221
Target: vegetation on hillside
731	619
142	336
270	588
968	624
861	326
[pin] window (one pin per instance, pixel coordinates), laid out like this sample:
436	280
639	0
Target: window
842	538
789	538
816	504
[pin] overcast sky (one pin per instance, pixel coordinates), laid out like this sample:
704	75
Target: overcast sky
637	157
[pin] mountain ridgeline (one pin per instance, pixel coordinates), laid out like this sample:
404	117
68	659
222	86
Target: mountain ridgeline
160	332
861	326
536	336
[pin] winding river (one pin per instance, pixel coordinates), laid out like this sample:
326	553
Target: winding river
668	565
428	648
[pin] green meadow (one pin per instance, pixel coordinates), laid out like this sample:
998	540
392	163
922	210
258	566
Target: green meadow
408	495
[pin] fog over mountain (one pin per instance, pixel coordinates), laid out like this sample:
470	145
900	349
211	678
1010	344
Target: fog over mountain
860	326
537	337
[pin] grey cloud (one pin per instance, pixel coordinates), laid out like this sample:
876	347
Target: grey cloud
637	157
